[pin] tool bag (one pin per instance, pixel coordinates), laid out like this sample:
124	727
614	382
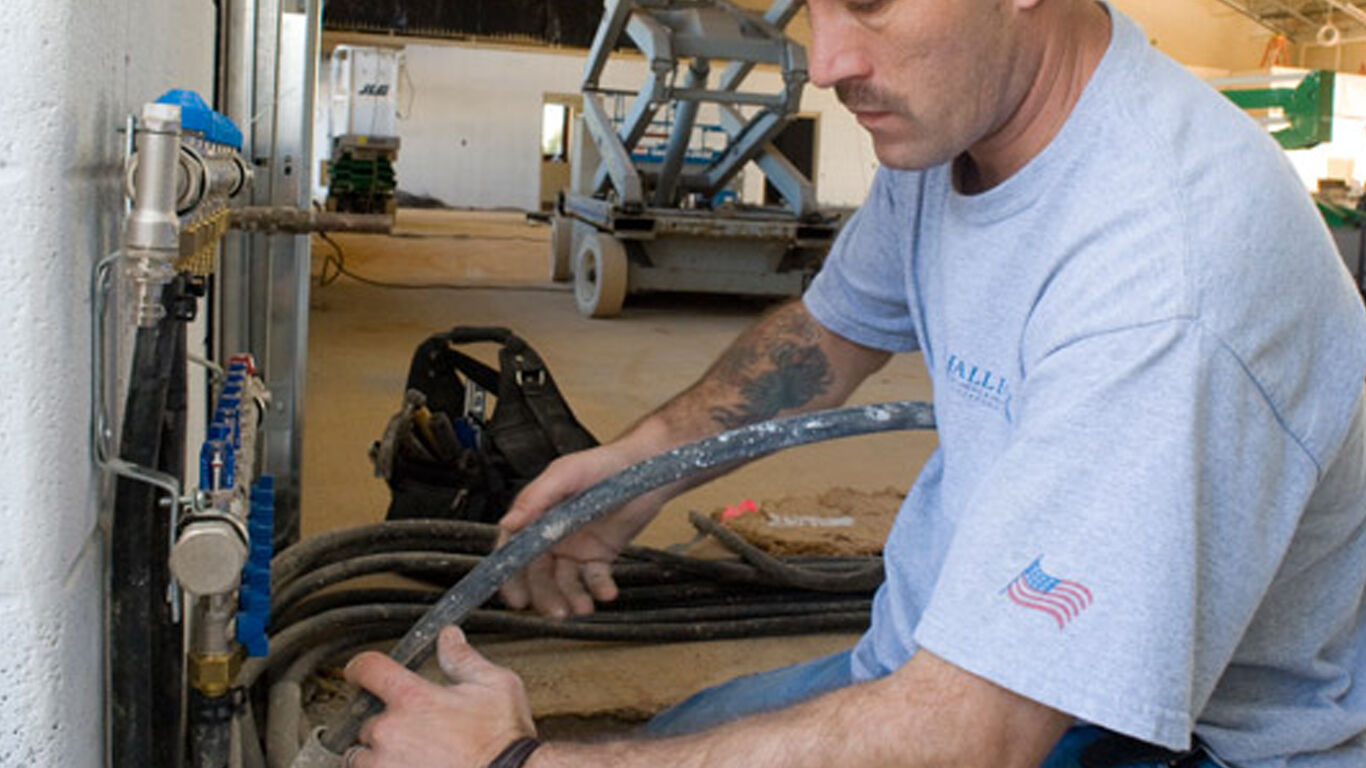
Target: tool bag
443	457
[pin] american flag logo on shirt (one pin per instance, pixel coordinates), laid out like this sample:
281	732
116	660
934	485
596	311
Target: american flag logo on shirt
1061	599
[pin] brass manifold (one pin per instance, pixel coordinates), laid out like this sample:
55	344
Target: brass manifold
213	674
199	242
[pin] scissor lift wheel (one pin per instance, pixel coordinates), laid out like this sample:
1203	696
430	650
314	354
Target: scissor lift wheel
561	247
600	274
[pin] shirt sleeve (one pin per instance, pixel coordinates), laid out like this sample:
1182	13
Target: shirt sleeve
861	291
1109	562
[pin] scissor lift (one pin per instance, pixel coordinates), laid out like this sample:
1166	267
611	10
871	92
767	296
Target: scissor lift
636	220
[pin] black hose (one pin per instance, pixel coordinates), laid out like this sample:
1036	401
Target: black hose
644	583
210	730
145	650
441	562
739	606
818	580
412	548
287	644
699	614
343	598
442	568
530	625
710	593
685	591
336	546
724	571
169	638
721	450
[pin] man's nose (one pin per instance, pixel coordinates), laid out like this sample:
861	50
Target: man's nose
837	52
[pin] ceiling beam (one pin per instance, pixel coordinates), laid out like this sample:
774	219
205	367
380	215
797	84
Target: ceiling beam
1243	8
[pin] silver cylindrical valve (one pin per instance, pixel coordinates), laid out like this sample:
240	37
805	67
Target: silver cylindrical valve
208	557
203	176
152	237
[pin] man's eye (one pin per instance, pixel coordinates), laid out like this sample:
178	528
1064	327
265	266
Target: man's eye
865	6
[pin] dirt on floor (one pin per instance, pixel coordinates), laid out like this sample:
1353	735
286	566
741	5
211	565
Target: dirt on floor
839	522
442	269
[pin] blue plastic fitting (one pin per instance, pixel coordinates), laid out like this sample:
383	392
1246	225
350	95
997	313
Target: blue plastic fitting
253	609
216	462
197	117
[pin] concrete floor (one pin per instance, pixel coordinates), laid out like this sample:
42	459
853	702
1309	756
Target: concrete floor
361	339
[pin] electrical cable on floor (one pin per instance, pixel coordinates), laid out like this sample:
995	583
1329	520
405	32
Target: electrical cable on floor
336	263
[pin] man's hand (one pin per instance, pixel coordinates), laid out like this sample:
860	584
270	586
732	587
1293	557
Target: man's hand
426	725
578	570
785	364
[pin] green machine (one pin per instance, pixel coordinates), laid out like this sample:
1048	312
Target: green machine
1308	107
361	174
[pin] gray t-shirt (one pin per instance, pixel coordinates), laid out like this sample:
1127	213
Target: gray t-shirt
1148	505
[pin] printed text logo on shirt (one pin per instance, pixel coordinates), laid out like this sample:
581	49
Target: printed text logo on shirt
977	383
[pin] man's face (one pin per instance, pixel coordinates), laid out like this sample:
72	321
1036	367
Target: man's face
927	78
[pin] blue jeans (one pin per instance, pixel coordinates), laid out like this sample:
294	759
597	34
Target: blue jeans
784	687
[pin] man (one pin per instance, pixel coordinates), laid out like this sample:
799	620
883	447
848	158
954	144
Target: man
1144	531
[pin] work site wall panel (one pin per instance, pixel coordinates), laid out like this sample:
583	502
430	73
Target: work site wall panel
76	69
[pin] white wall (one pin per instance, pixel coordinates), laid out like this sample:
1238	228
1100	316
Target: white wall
472	134
74	69
1200	33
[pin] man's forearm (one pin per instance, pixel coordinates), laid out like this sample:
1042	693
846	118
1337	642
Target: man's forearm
786	363
927	714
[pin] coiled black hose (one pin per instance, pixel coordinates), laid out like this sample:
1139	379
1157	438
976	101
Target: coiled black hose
309	583
726	448
805	577
392	536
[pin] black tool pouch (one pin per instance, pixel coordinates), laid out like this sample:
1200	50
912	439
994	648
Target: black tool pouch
451	460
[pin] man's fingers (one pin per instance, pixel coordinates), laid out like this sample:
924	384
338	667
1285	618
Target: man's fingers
598	576
545	593
570	582
382	676
458	659
515	593
366	735
540	495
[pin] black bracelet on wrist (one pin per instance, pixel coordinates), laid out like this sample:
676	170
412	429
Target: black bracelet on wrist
515	754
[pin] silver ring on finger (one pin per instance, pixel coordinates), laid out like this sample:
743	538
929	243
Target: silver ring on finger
348	760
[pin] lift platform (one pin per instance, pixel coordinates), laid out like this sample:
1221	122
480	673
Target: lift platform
661	218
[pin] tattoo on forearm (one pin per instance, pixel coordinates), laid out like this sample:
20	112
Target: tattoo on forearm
783	368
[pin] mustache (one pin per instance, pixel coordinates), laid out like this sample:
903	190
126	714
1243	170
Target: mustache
862	96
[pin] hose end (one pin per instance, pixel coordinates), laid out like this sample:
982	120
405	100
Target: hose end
315	755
